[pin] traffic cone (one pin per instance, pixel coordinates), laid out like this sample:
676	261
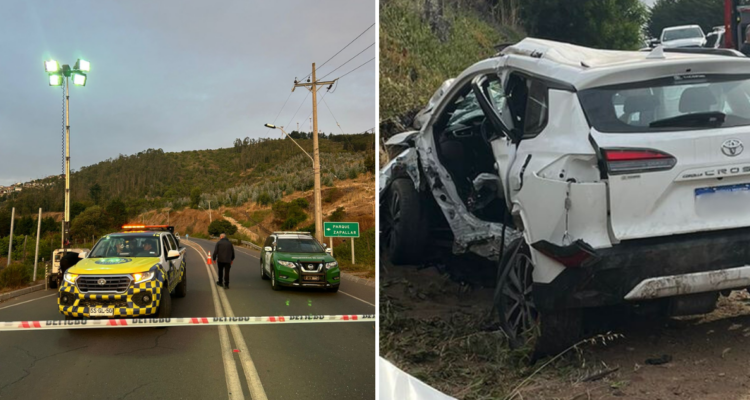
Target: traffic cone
210	261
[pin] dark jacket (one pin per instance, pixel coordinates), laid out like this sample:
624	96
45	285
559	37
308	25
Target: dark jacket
68	260
745	49
224	251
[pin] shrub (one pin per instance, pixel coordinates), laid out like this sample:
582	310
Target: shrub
16	275
338	215
220	226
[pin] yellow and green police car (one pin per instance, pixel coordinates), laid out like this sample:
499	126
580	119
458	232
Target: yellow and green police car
128	274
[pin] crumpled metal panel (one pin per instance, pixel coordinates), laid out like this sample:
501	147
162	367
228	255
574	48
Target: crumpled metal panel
404	164
470	233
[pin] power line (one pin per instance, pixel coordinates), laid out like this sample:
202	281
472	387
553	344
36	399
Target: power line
337	53
298	108
355	56
282	107
321	99
334	117
355	68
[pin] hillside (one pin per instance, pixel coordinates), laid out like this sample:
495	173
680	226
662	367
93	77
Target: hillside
154	178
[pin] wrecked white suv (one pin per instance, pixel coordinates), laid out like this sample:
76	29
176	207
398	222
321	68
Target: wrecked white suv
591	178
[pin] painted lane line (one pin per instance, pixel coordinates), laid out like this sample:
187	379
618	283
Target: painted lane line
251	373
366	302
28	301
234	388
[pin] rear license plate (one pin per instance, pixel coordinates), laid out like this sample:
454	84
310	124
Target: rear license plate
311	278
723	200
101	312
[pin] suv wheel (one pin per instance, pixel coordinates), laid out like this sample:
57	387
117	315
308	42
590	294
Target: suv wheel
274	285
262	272
554	331
181	289
52	282
405	226
165	304
519	318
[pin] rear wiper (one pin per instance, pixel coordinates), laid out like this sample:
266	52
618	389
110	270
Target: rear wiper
711	118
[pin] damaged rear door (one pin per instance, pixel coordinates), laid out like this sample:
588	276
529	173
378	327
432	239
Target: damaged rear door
673	151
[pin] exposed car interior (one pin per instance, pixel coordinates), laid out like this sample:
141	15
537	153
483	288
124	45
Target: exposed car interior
462	137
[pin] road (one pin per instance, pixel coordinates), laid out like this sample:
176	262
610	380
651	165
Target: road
306	361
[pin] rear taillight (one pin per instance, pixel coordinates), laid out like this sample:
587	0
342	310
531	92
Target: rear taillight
576	254
631	161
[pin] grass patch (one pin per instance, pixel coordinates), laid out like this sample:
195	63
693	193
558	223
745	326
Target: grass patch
255	218
364	253
414	61
462	355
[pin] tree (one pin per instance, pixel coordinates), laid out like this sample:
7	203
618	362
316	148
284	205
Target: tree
195	197
603	24
117	211
95	192
92	221
220	226
666	13
76	208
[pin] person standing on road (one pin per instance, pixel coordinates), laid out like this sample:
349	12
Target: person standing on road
224	257
745	49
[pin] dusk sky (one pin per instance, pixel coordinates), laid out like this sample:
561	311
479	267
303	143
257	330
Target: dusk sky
176	75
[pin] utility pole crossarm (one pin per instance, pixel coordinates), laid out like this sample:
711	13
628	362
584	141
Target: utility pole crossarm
311	84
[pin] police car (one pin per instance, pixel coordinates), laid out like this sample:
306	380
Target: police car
128	274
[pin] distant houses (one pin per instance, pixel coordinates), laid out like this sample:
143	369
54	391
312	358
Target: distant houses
19	186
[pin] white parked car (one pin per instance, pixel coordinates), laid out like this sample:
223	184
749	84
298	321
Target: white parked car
591	178
683	36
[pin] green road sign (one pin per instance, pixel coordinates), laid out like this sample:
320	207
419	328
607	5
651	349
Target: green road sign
341	229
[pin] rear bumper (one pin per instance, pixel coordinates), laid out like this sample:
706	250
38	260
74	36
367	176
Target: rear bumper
653	268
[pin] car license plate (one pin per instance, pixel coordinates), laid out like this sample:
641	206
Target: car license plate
721	201
312	278
101	312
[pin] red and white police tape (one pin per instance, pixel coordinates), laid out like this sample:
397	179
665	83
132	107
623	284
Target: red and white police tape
166	322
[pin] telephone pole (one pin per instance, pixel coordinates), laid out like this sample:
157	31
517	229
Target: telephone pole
313	87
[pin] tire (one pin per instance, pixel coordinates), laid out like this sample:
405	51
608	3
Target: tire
69	318
518	316
275	285
52	282
181	289
165	305
552	331
334	289
405	227
262	272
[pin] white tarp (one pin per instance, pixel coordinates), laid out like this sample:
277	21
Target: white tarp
397	384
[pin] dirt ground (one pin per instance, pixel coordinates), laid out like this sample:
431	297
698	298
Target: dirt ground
708	354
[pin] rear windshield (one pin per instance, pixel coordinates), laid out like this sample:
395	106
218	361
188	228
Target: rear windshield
127	246
684	33
685	102
298	246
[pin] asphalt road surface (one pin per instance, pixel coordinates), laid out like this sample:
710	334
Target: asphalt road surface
303	361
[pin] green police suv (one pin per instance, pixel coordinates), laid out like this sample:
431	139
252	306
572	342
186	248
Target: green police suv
296	259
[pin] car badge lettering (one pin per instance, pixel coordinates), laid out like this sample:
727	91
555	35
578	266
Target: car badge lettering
102	282
732	147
